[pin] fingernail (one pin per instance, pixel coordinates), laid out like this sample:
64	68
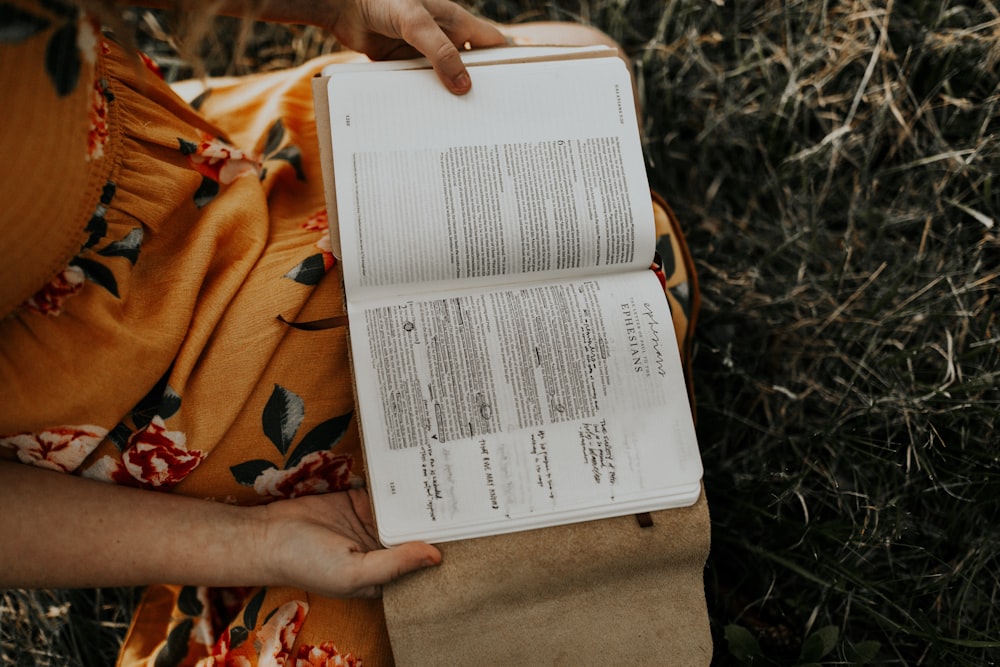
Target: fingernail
462	82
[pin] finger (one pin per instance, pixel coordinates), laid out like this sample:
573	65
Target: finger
421	31
383	565
464	28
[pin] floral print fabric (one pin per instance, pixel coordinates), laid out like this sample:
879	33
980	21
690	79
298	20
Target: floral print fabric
156	359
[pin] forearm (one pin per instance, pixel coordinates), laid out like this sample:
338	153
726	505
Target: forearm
61	531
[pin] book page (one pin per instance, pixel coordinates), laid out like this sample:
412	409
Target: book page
536	173
493	410
488	56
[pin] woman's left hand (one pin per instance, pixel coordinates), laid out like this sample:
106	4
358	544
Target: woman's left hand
326	544
385	29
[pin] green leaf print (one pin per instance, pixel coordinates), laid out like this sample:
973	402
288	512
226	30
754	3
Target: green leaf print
282	417
17	25
97	273
237	635
290	154
275	135
188	602
160	401
176	648
309	271
128	247
293	156
62	59
187	147
208	191
199	101
253	609
119	435
245	473
322	438
97	227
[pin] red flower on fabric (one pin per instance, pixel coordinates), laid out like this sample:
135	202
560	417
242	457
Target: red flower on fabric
317	472
271	645
325	655
108	469
62	448
151	65
319	222
325	246
159	458
50	299
225	660
221	162
98	133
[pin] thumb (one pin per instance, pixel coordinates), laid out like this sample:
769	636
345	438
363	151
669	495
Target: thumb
381	566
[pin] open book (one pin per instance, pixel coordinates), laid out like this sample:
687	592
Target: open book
514	357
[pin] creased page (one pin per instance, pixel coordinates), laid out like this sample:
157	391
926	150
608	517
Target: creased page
536	173
493	410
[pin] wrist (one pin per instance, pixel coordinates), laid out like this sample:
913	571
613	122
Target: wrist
264	546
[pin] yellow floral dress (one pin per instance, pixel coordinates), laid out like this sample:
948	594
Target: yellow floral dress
148	253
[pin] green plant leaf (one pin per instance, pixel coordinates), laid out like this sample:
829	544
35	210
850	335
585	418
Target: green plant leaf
324	437
742	644
245	473
861	653
818	644
282	417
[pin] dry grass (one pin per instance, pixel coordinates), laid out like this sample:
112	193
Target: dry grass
834	164
63	628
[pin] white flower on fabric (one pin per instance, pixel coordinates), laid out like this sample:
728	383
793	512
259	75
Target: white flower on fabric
87	40
62	448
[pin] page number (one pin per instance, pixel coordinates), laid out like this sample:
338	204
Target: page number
347	120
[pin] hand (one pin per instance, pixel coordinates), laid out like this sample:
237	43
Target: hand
386	29
326	544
